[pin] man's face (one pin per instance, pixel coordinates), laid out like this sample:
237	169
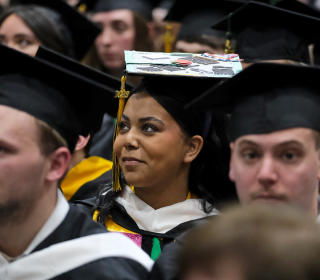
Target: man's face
22	166
279	167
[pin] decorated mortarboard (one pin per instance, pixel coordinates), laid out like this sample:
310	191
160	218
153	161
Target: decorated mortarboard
266	32
142	7
182	64
82	30
69	103
196	19
266	97
110	83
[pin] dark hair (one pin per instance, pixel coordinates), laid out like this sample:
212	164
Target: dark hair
47	26
208	176
214	42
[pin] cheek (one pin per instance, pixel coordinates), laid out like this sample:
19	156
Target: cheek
118	145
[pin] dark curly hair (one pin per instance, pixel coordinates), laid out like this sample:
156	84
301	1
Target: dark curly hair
208	176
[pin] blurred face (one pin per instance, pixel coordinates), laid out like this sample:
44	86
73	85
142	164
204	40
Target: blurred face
15	34
186	47
279	167
151	147
22	166
118	33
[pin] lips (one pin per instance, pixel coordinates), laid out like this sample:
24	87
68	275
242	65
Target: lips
130	161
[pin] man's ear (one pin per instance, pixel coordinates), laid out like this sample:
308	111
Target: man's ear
58	164
194	148
82	142
231	171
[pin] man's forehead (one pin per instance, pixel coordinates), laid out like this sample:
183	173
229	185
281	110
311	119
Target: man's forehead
300	135
16	121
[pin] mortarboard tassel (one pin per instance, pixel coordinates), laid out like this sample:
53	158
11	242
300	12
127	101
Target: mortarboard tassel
82	8
228	49
122	95
168	39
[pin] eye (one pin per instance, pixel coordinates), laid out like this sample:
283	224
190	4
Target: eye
250	155
120	27
123	127
24	43
289	156
148	128
3	150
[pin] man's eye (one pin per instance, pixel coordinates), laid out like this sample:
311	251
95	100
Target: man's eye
289	156
24	43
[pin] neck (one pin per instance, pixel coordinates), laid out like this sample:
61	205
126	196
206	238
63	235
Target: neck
76	158
313	210
172	190
15	237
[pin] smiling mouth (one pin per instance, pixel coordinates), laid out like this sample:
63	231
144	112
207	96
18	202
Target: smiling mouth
268	198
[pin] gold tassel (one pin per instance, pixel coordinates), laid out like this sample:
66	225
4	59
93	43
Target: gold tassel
116	172
82	8
168	39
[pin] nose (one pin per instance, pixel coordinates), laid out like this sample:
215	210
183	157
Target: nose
267	175
106	36
131	142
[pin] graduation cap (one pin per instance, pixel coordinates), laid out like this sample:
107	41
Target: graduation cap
196	19
266	97
68	102
269	33
141	7
82	30
110	83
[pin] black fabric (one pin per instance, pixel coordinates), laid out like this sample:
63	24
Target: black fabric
122	218
52	94
82	30
141	7
276	97
266	32
90	189
78	224
196	19
102	142
107	269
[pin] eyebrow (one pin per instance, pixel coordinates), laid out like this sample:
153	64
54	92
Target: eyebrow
289	142
150	119
125	117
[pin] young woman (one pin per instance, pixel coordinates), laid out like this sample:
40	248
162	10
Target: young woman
174	165
52	24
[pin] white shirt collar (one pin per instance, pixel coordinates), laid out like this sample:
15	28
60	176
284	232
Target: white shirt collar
58	215
164	219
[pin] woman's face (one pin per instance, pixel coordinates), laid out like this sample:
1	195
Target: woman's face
150	147
15	34
118	33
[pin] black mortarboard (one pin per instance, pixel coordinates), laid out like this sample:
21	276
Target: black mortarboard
110	83
141	7
197	19
82	30
269	33
266	97
68	102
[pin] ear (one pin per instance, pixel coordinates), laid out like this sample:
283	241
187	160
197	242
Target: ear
231	171
194	148
82	142
58	164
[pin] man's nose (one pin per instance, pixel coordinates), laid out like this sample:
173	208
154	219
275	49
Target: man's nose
267	174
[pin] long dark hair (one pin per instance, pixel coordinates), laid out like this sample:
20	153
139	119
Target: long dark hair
208	176
47	26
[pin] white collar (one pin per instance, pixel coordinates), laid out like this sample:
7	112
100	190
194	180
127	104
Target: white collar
164	219
58	215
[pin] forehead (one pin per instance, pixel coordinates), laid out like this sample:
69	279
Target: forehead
141	105
13	22
301	135
15	124
116	15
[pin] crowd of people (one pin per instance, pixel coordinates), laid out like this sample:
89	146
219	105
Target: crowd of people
105	174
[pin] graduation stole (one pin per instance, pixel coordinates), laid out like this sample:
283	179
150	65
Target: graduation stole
122	94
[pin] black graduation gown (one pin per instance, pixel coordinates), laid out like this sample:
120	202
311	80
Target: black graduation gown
122	218
78	224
